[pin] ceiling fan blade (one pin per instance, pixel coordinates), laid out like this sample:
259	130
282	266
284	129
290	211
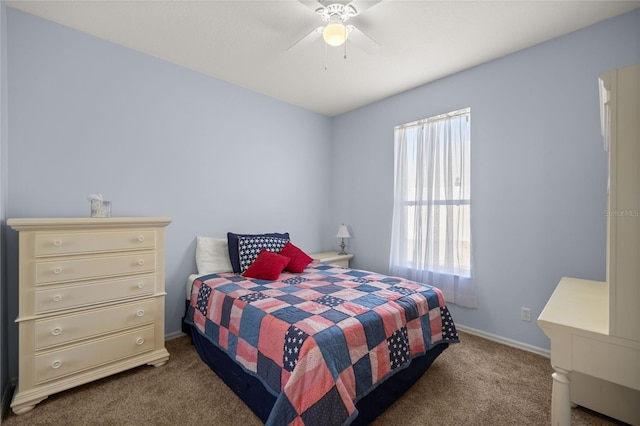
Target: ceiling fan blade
358	38
312	4
362	5
359	5
309	38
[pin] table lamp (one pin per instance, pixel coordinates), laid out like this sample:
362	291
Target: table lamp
343	233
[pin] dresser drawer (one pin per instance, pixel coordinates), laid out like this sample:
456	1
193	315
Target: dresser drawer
94	267
73	359
64	297
67	328
93	242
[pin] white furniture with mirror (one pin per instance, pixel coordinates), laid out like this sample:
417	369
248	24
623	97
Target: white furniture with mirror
594	326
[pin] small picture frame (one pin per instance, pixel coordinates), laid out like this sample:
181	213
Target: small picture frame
100	208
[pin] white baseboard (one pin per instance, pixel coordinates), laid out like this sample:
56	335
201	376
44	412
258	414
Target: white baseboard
174	335
503	340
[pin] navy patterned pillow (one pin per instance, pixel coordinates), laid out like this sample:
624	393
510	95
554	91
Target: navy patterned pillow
249	248
232	240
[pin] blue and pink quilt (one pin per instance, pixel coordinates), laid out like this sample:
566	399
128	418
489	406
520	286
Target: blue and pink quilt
322	339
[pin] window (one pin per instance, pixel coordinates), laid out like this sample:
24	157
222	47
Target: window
431	230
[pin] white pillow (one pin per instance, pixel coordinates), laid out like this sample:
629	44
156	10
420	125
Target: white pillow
212	256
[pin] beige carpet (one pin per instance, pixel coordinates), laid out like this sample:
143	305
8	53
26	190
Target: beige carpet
475	382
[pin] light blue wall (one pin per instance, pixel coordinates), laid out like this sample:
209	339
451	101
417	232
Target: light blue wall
87	116
538	170
5	378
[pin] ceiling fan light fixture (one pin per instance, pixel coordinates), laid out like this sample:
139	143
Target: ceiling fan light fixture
335	34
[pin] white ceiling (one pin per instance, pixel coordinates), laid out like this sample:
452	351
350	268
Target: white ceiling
246	42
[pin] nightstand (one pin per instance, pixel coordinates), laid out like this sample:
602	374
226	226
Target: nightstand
333	257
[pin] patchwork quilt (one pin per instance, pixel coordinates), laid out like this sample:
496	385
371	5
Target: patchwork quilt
322	339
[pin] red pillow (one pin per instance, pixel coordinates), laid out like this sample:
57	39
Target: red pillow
267	266
299	259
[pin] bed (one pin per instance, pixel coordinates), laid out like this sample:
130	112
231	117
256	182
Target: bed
312	343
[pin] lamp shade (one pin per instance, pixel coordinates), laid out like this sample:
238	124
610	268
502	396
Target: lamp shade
335	34
343	232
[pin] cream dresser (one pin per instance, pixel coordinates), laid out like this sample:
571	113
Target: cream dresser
91	301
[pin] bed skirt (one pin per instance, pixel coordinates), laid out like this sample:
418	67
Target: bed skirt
260	401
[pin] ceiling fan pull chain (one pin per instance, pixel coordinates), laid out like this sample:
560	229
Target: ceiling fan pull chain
326	67
345	49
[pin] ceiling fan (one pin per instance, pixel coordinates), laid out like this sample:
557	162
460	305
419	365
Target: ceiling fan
335	31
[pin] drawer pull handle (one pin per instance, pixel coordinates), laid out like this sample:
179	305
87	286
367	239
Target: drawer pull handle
57	270
141	238
141	262
56	331
140	341
140	285
57	243
140	313
56	364
57	298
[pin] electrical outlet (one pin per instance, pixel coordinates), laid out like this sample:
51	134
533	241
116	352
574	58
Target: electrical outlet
525	314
